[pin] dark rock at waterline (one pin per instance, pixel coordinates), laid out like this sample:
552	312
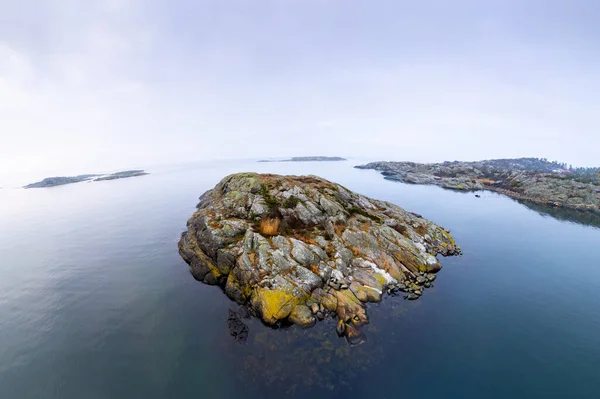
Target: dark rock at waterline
237	329
243	312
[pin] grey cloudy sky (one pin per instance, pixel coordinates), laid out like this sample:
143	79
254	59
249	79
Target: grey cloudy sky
101	85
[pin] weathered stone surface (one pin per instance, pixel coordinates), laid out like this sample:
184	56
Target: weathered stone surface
340	328
302	316
295	247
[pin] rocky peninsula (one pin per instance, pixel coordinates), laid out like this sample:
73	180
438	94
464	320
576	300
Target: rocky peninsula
62	180
527	179
307	159
297	249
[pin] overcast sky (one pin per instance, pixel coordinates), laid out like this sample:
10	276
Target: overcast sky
89	86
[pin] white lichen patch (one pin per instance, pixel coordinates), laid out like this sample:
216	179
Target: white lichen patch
388	278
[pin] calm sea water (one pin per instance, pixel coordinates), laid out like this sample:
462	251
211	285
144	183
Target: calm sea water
95	302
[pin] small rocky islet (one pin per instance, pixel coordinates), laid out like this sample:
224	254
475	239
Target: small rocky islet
298	249
527	179
62	180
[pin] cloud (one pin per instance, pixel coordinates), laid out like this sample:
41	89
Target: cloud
104	85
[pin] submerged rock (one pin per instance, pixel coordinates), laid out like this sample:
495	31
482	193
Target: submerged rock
302	316
295	247
237	329
354	336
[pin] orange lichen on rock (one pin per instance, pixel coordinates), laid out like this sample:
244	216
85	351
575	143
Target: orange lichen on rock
269	226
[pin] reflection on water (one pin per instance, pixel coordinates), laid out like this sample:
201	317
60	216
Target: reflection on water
565	214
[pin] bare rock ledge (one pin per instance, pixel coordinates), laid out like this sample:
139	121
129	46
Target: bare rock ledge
296	249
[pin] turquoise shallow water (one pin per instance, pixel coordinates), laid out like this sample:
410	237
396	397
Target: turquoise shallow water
95	301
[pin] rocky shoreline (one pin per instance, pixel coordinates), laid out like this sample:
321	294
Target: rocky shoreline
509	177
299	249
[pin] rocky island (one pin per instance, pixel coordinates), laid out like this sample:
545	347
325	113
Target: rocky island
527	179
60	181
307	159
122	175
297	249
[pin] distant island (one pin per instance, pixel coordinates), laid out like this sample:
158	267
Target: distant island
528	179
122	175
306	159
59	181
62	180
